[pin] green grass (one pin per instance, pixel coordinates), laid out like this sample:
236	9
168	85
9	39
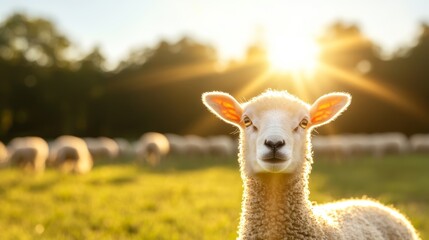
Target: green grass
185	199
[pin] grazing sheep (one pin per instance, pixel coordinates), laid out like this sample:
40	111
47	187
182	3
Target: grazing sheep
152	147
333	146
125	148
29	153
102	147
420	143
177	144
3	155
360	145
196	146
388	143
70	154
275	161
222	146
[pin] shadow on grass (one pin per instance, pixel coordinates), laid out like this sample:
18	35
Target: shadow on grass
122	180
42	186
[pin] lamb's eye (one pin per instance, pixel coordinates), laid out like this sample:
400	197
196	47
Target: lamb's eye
247	121
303	123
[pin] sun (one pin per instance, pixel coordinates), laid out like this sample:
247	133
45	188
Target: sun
293	55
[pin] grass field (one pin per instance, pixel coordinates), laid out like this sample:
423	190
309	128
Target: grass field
185	199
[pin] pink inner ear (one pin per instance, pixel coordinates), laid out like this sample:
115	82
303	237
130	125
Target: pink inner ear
325	110
227	109
230	116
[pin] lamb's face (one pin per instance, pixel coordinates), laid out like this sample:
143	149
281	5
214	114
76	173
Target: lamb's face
274	126
274	134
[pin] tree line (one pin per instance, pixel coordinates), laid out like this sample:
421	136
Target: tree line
46	91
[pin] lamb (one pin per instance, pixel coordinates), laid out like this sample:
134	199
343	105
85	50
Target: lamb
70	154
152	148
29	153
275	161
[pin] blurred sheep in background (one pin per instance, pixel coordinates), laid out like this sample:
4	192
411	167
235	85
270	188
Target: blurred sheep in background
3	155
419	143
125	147
350	145
152	148
222	146
71	154
196	146
389	143
177	144
102	147
29	153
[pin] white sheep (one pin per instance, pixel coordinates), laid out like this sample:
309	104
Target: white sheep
221	146
420	143
177	144
196	146
102	147
125	148
30	153
3	155
332	146
388	143
360	144
275	161
152	148
71	154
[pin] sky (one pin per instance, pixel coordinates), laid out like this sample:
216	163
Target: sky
228	25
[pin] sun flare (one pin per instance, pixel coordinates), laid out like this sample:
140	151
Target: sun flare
293	55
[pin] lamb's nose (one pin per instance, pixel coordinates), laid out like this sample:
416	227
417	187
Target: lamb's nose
274	145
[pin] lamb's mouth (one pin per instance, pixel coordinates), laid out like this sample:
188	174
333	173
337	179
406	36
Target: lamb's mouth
274	158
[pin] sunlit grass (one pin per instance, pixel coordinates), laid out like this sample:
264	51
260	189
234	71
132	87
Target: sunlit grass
185	198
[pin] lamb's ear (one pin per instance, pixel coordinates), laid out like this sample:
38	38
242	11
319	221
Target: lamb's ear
224	106
328	107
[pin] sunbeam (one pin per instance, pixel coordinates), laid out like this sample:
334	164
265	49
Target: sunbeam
254	85
388	94
347	42
166	75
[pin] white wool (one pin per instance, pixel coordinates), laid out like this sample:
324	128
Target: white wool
177	144
348	145
28	152
275	162
388	143
102	147
71	154
222	146
196	145
152	147
420	143
125	147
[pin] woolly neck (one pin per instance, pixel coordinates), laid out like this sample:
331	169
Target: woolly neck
276	206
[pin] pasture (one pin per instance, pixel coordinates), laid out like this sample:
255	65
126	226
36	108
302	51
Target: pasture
186	198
